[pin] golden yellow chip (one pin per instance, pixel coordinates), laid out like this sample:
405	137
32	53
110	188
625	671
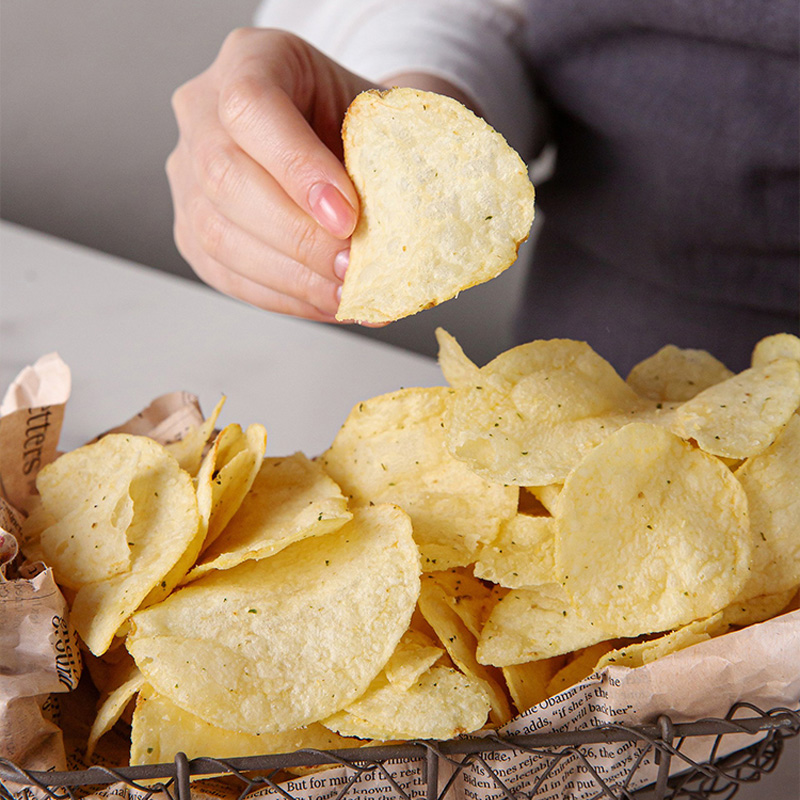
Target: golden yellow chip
530	624
442	704
86	511
771	481
285	641
189	450
636	654
757	609
161	730
527	683
461	645
741	416
522	554
391	449
445	203
163	527
291	499
651	533
415	654
226	475
469	597
771	348
580	665
676	374
546	495
113	704
457	369
535	410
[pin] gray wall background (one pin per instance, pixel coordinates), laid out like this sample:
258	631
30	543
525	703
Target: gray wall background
86	125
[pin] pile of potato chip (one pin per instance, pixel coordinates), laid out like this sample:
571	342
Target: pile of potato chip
456	556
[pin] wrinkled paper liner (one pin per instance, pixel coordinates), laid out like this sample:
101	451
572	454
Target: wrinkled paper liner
39	656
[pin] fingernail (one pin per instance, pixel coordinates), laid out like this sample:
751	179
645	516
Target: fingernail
331	210
340	263
338	294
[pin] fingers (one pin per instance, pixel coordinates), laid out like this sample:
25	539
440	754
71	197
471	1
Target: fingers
263	206
264	122
249	196
211	242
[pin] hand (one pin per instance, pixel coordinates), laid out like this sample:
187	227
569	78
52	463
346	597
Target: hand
263	205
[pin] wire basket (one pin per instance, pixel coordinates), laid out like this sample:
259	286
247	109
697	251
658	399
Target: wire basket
440	763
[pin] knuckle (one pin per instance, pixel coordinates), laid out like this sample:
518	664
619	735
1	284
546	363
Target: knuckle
215	162
307	247
210	229
237	100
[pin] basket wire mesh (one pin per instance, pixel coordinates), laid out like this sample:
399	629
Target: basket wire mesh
718	777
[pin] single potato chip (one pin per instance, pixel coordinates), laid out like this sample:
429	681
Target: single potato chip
86	512
743	415
414	655
285	641
113	705
522	554
651	533
637	654
391	449
772	348
445	203
442	704
531	624
161	730
164	526
226	475
757	609
457	369
527	683
580	665
771	481
291	499
471	598
676	374
189	450
536	410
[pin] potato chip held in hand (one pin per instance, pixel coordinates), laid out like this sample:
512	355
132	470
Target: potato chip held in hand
445	203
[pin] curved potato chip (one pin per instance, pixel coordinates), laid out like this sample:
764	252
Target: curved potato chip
87	508
113	705
445	203
581	665
281	642
536	410
457	369
536	623
442	704
771	481
527	683
741	416
637	654
521	555
674	374
771	348
415	654
291	499
164	526
651	533
226	475
189	450
757	609
161	729
391	450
